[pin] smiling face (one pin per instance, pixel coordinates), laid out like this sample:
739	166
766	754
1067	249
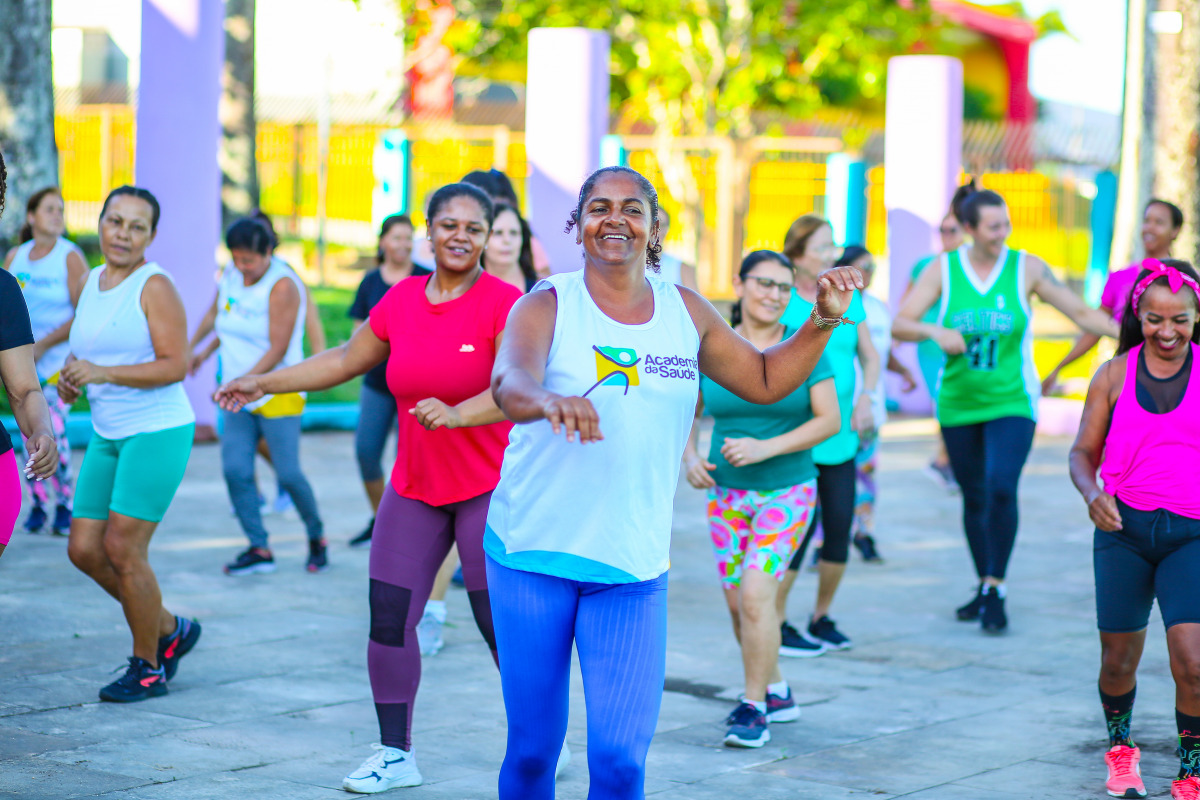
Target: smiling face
615	226
397	245
1168	320
1158	231
504	245
764	292
47	218
125	231
992	231
459	232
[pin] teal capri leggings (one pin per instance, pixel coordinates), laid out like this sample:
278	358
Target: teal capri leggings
136	476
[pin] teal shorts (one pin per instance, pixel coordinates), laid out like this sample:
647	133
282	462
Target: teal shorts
136	476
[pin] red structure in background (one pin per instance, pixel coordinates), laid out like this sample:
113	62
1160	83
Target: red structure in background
1013	37
430	66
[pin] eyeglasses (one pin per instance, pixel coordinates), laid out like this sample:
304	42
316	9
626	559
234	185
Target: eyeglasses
768	285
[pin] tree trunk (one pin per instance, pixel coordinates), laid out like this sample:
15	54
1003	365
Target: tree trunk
26	106
1137	133
239	168
1177	121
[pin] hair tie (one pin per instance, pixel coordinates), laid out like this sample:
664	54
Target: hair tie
1175	280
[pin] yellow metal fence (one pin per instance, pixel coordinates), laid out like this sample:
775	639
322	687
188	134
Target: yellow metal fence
96	151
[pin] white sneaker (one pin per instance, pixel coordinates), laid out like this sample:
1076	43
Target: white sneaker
429	634
564	758
388	768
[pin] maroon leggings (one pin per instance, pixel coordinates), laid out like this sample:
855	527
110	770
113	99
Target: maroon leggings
409	544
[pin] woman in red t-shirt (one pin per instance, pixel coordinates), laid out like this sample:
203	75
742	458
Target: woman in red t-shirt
439	335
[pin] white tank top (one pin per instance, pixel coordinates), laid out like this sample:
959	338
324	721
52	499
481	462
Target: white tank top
110	329
44	285
243	322
601	512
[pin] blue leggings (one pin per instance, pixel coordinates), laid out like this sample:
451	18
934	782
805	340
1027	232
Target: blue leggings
620	631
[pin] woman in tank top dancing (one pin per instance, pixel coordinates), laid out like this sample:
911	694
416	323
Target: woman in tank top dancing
1141	431
989	389
600	369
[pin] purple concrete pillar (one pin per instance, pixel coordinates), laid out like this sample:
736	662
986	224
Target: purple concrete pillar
566	116
923	159
183	47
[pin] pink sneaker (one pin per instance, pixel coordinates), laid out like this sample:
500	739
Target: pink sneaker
1186	789
1125	776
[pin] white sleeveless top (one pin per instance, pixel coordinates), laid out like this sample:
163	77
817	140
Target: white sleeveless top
601	512
110	330
44	285
243	322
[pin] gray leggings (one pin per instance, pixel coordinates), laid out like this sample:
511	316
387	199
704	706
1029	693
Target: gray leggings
376	414
240	432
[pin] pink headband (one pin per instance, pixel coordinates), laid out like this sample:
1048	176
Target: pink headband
1175	280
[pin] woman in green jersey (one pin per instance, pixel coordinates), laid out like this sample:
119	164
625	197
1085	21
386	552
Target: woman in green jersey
989	389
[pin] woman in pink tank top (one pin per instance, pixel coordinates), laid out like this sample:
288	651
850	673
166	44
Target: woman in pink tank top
1141	431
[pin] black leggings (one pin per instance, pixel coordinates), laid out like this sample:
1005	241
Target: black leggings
987	459
835	506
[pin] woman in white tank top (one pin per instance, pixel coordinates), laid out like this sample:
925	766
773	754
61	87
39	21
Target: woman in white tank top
258	315
600	368
50	271
129	350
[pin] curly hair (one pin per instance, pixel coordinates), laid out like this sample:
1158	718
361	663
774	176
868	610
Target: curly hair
653	248
3	183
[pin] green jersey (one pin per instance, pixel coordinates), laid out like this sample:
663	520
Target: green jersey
996	376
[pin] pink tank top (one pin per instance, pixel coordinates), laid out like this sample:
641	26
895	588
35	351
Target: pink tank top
1150	459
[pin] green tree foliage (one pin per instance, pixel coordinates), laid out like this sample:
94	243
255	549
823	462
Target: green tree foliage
705	66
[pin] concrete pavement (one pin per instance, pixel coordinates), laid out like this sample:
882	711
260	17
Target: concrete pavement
275	702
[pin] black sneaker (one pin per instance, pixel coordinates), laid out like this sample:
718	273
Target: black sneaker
364	538
747	727
865	543
140	682
36	519
794	644
318	561
993	619
178	644
823	630
970	612
256	559
62	520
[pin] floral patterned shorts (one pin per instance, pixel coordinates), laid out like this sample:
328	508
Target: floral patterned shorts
758	530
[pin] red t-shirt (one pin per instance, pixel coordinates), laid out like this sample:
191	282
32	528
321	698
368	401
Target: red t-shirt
444	351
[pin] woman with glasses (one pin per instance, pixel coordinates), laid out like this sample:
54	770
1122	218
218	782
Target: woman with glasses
762	491
809	246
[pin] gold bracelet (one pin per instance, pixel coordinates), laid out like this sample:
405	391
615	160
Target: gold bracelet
827	323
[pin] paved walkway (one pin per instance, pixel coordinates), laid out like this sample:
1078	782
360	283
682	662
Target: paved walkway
275	703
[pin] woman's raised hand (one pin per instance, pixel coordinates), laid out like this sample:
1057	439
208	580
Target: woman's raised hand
575	415
238	392
835	290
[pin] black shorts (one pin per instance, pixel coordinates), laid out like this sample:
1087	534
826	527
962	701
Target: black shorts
1155	554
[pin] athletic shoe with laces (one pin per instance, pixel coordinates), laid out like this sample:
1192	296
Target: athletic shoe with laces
992	618
388	768
747	727
62	520
429	633
36	519
970	612
256	559
284	507
175	646
782	709
364	538
140	682
794	644
1124	772
1186	788
823	630
318	558
865	543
